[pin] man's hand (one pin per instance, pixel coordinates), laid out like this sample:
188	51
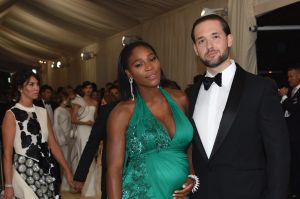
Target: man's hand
78	185
283	91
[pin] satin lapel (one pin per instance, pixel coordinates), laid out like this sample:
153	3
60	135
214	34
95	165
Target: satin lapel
193	96
197	142
231	108
192	102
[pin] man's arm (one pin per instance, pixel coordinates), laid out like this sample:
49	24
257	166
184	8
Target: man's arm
98	133
276	143
292	105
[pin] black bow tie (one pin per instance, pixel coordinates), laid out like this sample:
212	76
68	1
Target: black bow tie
47	102
207	81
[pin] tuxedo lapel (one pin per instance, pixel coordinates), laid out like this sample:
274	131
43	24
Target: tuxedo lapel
197	142
193	96
231	108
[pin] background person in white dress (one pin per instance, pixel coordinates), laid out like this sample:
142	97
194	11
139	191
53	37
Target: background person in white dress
62	128
83	116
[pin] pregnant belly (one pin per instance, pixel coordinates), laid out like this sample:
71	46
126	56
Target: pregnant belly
167	172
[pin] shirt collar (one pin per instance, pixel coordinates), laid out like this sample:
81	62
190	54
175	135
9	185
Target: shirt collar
297	87
227	74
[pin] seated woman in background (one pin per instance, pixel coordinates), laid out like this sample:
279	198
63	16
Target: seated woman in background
149	136
29	143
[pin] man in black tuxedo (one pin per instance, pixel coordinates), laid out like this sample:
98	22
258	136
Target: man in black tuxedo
240	144
291	106
46	93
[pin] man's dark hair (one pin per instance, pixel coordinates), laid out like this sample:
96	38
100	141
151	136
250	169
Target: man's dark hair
45	87
223	22
294	67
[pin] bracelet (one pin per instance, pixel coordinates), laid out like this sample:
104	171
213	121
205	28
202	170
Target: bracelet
8	185
196	181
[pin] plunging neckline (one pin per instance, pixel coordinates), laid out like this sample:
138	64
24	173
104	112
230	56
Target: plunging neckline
160	122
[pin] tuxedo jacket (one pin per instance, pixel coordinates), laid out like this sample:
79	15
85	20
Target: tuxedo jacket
98	133
41	104
292	105
250	156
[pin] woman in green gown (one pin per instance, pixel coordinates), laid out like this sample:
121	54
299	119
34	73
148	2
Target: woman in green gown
149	136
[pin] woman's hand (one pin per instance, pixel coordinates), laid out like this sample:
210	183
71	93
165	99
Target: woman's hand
185	191
8	193
90	123
69	177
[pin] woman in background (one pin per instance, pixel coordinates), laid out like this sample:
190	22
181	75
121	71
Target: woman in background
29	143
62	128
83	115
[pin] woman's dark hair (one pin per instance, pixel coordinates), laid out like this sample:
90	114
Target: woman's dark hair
87	83
78	90
223	22
19	79
123	65
61	96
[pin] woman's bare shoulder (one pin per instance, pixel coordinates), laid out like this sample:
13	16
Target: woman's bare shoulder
123	110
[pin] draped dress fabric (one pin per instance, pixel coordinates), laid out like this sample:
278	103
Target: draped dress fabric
85	113
155	164
62	128
33	164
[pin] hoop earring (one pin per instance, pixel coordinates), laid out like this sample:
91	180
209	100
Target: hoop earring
131	88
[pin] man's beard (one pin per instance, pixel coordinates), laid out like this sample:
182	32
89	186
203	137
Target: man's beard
213	64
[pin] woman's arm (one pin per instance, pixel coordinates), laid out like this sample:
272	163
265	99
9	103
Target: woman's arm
8	135
57	153
74	116
116	127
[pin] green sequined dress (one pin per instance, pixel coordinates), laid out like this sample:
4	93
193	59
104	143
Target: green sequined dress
155	164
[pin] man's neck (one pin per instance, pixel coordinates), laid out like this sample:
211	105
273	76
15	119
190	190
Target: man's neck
220	68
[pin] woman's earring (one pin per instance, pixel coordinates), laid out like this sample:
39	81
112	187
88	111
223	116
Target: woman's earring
131	88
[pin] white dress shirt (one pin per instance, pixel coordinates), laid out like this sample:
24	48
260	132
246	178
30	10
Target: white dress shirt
49	111
209	108
294	91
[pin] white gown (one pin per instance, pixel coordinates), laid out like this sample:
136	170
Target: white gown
62	128
83	132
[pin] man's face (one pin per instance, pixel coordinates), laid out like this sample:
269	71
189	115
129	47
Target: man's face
114	94
46	95
294	78
211	43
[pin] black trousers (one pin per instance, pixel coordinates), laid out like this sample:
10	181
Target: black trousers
295	168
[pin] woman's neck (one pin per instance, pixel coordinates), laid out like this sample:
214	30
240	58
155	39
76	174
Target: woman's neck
26	102
151	95
87	97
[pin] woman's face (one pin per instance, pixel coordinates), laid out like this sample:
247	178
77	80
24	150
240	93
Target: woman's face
87	90
144	67
30	89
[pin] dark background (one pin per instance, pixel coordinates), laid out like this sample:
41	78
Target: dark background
278	49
